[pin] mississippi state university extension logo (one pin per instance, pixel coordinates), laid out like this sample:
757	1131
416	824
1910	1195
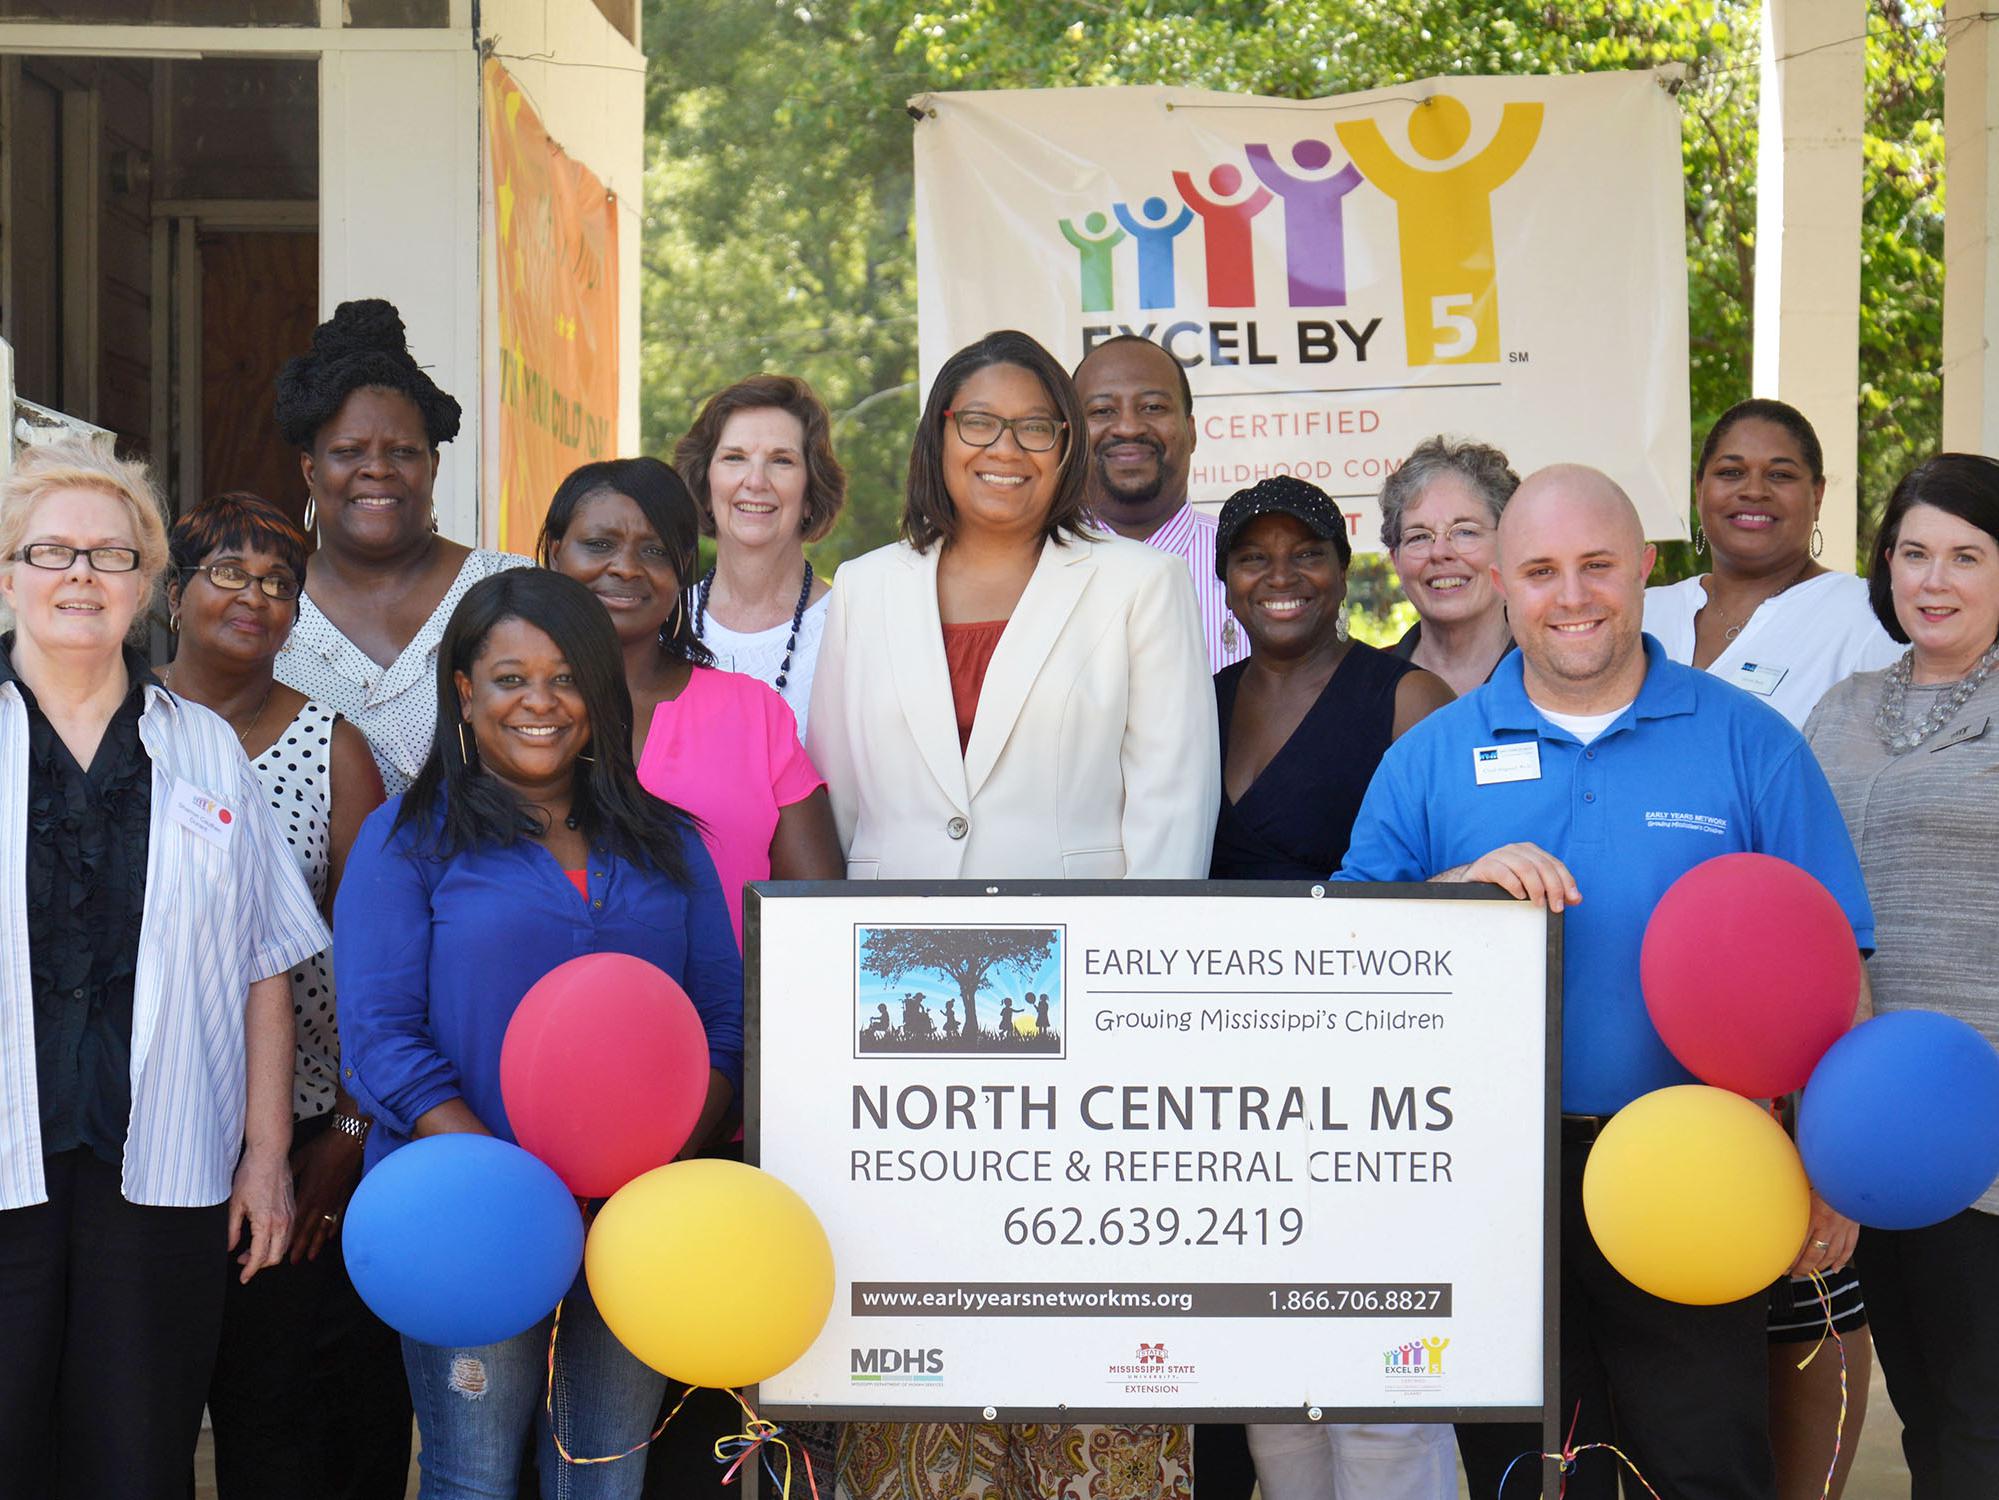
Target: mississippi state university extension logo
1420	1361
1150	1371
1443	217
946	991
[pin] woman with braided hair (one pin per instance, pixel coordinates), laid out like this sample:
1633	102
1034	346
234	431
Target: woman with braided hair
368	421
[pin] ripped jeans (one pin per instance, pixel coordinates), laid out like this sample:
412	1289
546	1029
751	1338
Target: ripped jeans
477	1410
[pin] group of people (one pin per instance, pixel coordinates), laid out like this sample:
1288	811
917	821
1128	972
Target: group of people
274	902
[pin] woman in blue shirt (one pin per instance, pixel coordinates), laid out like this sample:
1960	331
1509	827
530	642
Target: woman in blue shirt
525	841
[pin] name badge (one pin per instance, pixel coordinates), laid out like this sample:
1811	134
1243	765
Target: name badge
1493	764
202	815
1760	679
1962	733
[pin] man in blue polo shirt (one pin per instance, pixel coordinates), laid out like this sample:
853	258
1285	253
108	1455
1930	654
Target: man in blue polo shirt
1587	776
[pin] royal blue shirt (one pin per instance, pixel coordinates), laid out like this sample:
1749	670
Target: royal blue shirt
431	957
1692	769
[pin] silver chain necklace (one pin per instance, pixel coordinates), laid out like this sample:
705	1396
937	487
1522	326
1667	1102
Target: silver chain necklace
1891	721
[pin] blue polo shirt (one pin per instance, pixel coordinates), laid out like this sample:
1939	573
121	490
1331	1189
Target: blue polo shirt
1694	768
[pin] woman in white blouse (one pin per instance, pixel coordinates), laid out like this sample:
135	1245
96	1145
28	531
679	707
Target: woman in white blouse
759	462
1770	617
152	914
367	420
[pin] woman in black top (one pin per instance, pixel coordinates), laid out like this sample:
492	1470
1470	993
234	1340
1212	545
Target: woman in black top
1307	716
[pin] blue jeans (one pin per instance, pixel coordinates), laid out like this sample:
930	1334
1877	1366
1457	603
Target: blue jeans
477	1408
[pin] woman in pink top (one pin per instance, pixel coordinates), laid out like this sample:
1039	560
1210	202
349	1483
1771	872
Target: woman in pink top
721	745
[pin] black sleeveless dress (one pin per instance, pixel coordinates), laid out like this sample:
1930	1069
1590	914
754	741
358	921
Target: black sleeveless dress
1294	821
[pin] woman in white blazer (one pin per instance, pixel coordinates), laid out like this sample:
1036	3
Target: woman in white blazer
1077	736
1009	692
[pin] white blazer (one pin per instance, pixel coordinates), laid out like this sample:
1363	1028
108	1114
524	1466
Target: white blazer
1093	754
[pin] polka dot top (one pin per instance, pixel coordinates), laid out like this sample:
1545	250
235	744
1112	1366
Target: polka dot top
297	773
394	706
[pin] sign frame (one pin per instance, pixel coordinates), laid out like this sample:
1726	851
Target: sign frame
1546	1415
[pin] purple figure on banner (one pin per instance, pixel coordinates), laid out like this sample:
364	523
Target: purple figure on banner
1315	248
1225	221
1154	234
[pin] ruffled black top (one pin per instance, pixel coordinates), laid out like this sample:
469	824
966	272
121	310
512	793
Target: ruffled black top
87	838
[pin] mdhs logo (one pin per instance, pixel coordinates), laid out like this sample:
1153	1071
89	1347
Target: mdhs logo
895	1366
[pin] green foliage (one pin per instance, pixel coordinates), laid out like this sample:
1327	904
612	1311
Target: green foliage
779	195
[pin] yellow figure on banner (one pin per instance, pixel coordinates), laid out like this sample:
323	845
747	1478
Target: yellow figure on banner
1450	300
1436	1349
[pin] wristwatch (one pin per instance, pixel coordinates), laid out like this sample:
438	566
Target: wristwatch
353	1125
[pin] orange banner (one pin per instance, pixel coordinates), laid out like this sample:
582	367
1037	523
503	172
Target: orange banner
556	250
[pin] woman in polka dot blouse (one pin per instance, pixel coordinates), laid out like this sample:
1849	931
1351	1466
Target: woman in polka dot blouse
233	591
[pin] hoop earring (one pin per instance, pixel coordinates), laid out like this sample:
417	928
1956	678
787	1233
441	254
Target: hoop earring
1700	540
173	623
464	746
309	517
1818	540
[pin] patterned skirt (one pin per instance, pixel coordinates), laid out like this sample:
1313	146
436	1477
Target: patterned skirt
1016	1461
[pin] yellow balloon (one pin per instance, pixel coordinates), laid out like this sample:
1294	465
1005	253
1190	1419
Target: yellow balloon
711	1272
1696	1195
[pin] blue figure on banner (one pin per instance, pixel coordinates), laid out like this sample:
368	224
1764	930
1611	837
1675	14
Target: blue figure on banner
1154	233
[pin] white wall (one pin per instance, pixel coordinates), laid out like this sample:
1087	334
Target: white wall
399	218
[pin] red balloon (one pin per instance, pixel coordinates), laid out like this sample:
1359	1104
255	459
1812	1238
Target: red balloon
1750	973
604	1070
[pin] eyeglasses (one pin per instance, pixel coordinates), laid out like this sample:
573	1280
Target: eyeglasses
56	557
982	429
1463	538
280	586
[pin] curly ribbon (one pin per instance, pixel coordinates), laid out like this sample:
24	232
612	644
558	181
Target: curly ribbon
758	1435
1824	1293
1566	1459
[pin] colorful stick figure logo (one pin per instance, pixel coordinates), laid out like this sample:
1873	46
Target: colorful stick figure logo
1443	218
1225	225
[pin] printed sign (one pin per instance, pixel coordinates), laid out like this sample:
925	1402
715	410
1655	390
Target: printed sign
555	229
1251	1149
1500	258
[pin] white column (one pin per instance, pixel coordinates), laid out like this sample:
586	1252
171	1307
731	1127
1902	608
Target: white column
1971	230
399	218
1808	235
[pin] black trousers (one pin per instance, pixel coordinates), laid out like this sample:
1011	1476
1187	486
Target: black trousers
1684	1391
309	1398
112	1313
1936	1329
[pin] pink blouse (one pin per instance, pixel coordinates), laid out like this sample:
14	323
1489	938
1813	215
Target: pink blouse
727	751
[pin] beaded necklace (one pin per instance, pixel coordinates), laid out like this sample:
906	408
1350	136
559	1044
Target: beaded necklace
1897	732
797	617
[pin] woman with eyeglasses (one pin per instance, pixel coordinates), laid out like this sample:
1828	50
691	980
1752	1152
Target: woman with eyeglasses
153	913
1440	523
1009	692
308	1388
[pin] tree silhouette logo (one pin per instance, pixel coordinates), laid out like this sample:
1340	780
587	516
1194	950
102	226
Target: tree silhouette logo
945	991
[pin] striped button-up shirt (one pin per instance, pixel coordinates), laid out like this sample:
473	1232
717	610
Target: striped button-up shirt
1189	534
225	905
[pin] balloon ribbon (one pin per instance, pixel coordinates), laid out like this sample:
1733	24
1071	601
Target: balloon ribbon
759	1435
1566	1459
1839	1432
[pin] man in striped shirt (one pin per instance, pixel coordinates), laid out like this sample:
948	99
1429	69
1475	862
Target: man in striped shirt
1141	414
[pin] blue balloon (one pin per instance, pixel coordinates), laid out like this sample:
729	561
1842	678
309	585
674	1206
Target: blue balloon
1899	1125
462	1240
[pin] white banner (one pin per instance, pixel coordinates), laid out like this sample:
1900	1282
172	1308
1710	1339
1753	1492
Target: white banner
1499	258
1121	1150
